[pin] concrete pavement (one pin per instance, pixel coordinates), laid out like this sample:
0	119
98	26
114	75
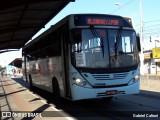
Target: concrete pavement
150	83
17	103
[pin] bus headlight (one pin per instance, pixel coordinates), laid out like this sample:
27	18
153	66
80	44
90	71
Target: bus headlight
135	79
80	82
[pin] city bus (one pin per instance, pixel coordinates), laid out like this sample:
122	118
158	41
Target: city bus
84	56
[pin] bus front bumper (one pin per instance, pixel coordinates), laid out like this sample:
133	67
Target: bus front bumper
80	93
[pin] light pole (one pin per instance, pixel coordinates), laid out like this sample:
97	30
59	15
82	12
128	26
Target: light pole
119	5
155	43
141	40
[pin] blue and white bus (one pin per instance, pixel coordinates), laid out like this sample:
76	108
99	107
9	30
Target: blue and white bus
85	56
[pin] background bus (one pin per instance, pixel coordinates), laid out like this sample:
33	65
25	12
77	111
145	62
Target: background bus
85	56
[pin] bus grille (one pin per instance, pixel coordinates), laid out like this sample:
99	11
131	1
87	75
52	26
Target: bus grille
110	76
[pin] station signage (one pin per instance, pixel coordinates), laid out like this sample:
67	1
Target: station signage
147	56
156	53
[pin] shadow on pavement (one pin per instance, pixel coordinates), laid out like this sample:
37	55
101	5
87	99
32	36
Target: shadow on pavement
147	93
21	82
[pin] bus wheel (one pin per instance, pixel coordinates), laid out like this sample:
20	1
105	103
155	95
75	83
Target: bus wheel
56	93
31	87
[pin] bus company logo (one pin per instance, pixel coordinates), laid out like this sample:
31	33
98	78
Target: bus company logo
99	84
6	114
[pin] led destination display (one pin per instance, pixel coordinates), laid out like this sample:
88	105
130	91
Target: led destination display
101	20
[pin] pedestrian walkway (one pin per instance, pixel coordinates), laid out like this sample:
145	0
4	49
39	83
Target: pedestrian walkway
18	103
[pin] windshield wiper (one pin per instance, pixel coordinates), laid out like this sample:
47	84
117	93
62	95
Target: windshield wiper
96	35
118	38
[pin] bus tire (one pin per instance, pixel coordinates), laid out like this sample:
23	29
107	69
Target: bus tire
31	87
56	92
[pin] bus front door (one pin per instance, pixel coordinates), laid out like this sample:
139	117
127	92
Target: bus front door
65	62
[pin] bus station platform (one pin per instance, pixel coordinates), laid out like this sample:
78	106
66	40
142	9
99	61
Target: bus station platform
18	103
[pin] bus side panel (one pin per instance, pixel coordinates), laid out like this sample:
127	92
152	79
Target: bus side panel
44	70
25	68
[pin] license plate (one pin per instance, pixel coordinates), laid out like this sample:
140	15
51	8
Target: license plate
111	92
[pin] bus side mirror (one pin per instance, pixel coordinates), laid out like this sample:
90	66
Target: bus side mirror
138	43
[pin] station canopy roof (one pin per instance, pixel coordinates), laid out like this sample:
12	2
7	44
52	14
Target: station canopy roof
17	62
20	20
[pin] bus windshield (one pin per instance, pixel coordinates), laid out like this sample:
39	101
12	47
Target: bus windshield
104	48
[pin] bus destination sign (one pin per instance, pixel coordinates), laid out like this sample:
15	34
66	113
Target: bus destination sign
102	21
